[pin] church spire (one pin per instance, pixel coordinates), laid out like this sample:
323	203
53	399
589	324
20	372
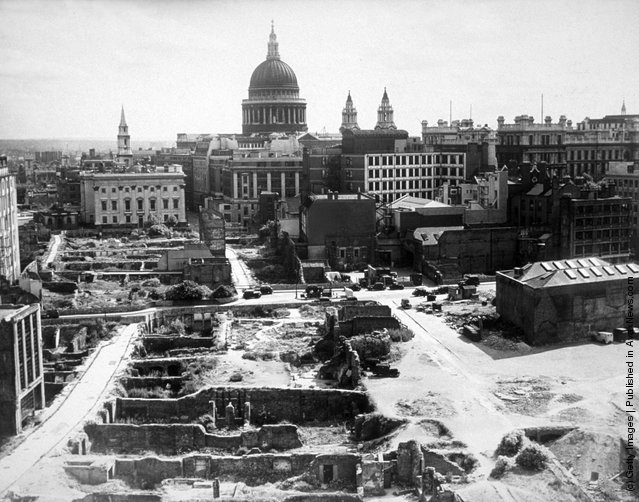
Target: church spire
273	51
125	154
385	114
623	107
122	119
349	115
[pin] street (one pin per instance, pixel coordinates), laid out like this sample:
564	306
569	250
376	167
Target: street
80	404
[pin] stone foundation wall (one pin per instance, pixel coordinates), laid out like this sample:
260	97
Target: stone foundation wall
251	469
359	325
173	439
293	405
348	312
160	344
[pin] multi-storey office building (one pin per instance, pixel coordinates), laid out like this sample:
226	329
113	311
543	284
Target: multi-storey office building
598	142
596	226
376	162
625	176
21	374
131	198
9	242
243	179
391	176
525	141
462	136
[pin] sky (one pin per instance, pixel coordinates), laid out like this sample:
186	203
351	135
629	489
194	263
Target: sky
184	66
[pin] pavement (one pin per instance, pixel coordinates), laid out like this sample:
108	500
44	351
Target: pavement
83	401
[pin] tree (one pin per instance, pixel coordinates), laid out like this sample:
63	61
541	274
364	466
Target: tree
187	290
171	221
159	230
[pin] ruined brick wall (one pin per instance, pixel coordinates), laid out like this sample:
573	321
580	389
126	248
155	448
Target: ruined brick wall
151	471
341	468
147	472
173	439
348	312
165	439
294	405
370	324
160	344
480	250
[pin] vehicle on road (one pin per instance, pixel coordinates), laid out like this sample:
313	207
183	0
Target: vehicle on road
51	314
471	280
265	289
604	337
396	285
405	303
251	293
420	292
378	286
355	287
313	291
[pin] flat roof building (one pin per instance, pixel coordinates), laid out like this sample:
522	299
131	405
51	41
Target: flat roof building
21	380
565	300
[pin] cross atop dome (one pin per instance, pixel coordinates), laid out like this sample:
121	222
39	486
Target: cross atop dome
273	51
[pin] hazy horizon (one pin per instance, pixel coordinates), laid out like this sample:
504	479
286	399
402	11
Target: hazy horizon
185	66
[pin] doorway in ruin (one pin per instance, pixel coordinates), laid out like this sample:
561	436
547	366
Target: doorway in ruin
328	473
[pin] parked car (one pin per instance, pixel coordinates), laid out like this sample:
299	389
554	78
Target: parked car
396	285
604	337
355	287
313	291
51	314
265	289
420	292
251	293
378	286
471	280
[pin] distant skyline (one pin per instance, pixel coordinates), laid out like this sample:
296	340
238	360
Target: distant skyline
184	66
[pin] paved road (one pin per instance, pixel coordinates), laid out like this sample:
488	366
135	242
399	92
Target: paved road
81	402
242	277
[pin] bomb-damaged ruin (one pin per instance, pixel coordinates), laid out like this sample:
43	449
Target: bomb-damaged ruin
196	409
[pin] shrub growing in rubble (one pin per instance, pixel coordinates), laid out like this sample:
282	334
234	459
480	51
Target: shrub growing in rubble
401	334
502	465
511	443
187	290
533	457
160	230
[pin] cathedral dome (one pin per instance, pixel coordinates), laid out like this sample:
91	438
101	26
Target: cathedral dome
273	73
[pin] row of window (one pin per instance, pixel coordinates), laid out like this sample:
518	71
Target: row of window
449	172
602	234
139	189
355	252
27	336
376	186
627	183
615	154
140	204
127	219
414	160
601	249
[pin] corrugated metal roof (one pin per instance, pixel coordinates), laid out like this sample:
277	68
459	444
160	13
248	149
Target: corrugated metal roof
576	271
